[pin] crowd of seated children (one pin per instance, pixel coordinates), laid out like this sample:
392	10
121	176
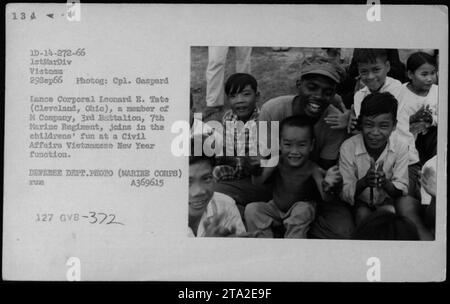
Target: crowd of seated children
341	172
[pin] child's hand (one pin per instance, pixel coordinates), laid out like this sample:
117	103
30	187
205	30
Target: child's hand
337	119
416	116
418	127
424	114
371	177
381	176
333	176
332	182
428	181
214	229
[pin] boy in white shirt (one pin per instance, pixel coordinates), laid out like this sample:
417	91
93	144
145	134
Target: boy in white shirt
373	68
211	214
374	166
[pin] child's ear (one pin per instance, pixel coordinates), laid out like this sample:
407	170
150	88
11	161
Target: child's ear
388	66
410	75
257	96
298	83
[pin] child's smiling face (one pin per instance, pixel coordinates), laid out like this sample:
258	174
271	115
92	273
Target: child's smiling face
423	77
376	130
243	103
373	75
296	145
201	185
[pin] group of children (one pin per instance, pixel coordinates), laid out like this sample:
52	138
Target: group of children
341	172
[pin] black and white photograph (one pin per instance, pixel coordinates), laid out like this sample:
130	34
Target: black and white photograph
357	139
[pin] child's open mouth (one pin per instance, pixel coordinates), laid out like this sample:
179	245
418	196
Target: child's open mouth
198	204
373	142
294	159
241	109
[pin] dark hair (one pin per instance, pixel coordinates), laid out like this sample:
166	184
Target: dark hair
385	225
238	81
193	158
300	121
379	103
369	55
417	59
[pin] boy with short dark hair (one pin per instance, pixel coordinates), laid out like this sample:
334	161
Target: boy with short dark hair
242	93
241	90
373	67
210	213
373	164
295	178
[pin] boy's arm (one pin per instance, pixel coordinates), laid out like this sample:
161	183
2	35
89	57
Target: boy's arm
398	185
349	178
